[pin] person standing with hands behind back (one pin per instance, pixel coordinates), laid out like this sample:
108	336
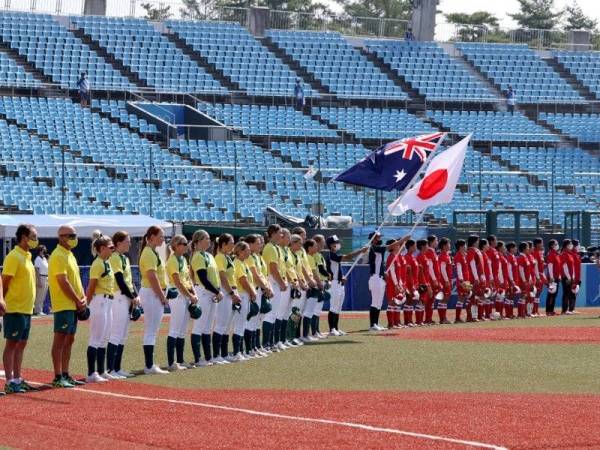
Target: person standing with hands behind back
18	282
41	276
67	297
152	294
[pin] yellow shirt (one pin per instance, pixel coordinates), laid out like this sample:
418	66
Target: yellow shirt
63	262
274	254
257	261
102	272
225	264
320	261
242	270
120	264
298	259
290	266
20	296
178	265
149	260
204	260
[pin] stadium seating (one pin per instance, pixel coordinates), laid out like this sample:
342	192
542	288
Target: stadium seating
57	52
585	66
339	66
265	120
234	51
493	126
430	70
148	53
12	74
118	110
532	79
375	123
584	127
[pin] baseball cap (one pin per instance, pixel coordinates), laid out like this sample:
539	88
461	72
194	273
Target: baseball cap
333	239
373	233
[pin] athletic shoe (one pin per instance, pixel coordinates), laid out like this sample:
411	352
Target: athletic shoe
74	382
445	322
298	342
13	388
95	378
261	353
107	376
175	367
230	358
239	357
221	361
380	327
60	382
155	370
28	387
281	346
125	374
289	343
321	335
334	333
115	375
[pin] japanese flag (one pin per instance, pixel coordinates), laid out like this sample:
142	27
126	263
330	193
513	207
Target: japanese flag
438	184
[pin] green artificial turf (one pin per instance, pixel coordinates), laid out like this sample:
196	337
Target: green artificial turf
365	361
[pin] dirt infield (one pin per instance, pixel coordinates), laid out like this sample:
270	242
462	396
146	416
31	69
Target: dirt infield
530	335
128	415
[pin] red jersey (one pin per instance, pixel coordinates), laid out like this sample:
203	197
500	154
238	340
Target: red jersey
539	257
463	272
411	277
487	266
534	267
393	277
502	279
553	265
525	270
493	257
513	268
568	265
445	261
475	262
424	275
433	266
577	262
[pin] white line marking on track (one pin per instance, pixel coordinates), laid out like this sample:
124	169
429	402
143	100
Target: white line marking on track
253	412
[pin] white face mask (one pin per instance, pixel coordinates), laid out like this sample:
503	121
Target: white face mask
570	247
336	247
555	247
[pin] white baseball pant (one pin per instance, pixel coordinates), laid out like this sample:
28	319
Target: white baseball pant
180	316
377	288
239	317
337	297
224	315
284	305
100	321
309	307
254	323
204	324
275	300
153	313
298	303
120	320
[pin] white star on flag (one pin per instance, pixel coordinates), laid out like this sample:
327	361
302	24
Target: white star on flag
399	175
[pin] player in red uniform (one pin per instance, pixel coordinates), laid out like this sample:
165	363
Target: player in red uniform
541	281
493	257
577	260
434	277
514	293
394	286
569	277
487	268
445	261
502	279
425	291
411	280
524	279
553	270
475	262
463	279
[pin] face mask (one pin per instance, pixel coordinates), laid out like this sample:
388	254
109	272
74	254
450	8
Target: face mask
570	247
336	247
72	243
555	247
33	243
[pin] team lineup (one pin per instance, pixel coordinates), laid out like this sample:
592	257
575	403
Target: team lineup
266	294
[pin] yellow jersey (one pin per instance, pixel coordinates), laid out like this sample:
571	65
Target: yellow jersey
242	270
150	260
205	261
20	295
63	262
102	272
179	265
274	254
225	264
120	264
290	266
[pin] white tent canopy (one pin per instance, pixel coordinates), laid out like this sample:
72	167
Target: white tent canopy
47	225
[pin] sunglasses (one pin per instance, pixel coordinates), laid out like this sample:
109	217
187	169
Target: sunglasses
70	235
111	247
182	243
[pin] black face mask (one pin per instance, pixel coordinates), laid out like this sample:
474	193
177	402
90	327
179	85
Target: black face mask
377	241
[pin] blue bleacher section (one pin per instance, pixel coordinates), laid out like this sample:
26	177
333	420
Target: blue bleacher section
430	70
118	110
584	127
532	79
12	74
57	52
375	123
265	120
148	53
234	51
493	126
585	66
339	66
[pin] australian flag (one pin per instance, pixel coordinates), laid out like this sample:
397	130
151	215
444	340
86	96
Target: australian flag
393	165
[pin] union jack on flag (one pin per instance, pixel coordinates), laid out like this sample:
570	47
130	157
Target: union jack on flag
419	145
393	165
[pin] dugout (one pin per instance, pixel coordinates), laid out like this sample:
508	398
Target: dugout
47	227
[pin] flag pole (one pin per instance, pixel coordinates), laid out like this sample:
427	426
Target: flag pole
417	221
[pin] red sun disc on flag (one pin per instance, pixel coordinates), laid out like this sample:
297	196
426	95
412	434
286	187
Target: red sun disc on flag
433	184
